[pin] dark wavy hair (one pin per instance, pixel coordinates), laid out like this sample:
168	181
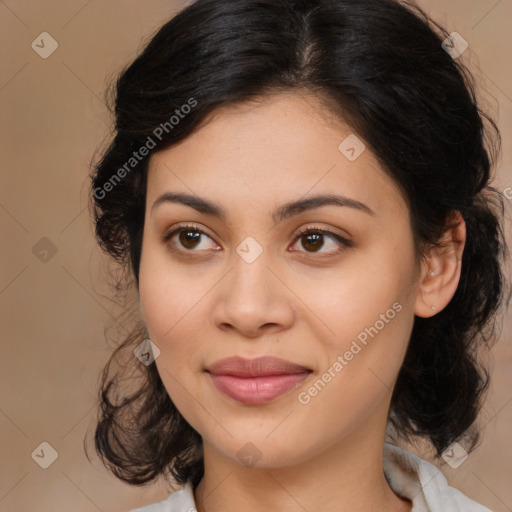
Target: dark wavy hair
380	66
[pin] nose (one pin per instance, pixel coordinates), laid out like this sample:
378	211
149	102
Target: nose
252	300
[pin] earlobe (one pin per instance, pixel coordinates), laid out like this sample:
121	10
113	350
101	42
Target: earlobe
441	269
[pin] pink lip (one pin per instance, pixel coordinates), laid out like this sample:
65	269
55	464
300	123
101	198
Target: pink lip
256	381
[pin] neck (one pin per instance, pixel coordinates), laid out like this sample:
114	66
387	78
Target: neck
346	476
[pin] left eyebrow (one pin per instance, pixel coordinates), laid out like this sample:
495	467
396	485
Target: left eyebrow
295	207
282	212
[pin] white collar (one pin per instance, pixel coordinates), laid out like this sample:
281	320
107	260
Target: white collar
423	483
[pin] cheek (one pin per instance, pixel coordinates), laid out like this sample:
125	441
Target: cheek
158	307
168	296
356	299
167	305
369	312
174	308
171	317
372	326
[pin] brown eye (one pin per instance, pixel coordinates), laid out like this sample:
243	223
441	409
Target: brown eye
315	239
189	238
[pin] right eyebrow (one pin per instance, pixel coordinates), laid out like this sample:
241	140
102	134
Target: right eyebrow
199	204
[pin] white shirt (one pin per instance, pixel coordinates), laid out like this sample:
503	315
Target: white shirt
408	475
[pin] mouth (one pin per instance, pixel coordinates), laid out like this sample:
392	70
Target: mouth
256	381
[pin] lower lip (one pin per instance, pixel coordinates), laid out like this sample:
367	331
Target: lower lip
257	390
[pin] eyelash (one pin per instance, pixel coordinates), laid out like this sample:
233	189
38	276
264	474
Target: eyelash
345	243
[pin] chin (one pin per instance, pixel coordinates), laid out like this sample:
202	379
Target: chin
259	451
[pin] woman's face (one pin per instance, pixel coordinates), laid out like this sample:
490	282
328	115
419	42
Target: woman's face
342	311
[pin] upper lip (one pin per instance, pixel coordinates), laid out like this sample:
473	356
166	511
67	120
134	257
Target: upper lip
258	367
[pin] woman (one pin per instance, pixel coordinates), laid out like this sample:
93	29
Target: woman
300	192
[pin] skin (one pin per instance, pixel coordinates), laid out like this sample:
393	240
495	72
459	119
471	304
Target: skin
302	303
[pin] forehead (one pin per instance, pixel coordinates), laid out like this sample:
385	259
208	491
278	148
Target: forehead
277	148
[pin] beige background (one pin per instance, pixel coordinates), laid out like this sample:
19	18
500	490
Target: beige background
53	313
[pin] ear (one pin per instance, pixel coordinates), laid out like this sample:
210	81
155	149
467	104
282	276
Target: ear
441	268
